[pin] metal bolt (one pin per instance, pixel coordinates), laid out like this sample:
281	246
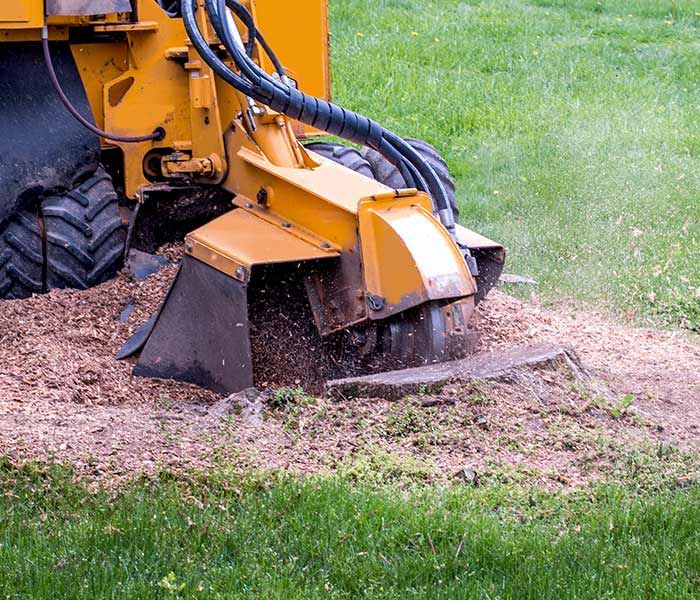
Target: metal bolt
286	225
375	303
240	273
325	245
248	205
189	246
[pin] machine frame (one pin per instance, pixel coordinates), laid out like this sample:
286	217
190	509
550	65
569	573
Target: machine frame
370	253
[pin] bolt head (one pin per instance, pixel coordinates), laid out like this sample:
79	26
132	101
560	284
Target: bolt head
375	303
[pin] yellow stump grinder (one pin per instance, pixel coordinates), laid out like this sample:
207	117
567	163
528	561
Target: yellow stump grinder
127	123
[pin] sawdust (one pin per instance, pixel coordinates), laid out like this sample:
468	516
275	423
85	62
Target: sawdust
64	397
288	334
660	369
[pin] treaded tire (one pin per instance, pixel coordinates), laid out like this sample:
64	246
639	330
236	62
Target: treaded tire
21	257
343	155
85	236
390	176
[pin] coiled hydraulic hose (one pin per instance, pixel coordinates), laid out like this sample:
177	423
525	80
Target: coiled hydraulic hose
255	34
158	134
261	87
340	120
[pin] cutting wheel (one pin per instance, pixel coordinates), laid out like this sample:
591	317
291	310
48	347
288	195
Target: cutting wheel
432	333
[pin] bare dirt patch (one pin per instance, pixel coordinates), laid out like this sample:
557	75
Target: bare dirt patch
64	397
660	369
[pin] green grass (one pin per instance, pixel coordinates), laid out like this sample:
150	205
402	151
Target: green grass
571	127
216	537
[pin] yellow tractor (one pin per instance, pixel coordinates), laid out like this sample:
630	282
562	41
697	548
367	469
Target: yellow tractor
125	121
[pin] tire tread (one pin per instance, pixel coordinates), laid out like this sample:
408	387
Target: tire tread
21	257
84	233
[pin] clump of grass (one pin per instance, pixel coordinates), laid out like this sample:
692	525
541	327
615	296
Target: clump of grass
616	408
376	468
284	397
478	398
649	466
408	417
496	472
291	402
595	395
641	466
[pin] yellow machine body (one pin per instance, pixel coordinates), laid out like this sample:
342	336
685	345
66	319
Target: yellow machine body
149	76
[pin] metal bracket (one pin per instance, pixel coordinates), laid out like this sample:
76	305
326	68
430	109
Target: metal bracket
180	164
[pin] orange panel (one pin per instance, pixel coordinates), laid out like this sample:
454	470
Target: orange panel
238	240
21	14
99	63
298	33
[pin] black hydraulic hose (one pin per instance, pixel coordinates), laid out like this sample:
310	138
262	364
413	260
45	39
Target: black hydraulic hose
270	53
249	23
158	134
415	170
208	55
257	84
249	69
255	34
408	170
259	78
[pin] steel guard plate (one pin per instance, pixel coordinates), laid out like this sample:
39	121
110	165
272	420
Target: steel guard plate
201	334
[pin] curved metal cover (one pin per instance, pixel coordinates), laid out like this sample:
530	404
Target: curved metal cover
77	8
408	256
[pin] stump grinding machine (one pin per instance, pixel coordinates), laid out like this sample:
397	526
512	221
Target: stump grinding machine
120	114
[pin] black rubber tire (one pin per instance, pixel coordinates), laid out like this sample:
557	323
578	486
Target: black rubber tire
85	235
390	176
21	257
343	155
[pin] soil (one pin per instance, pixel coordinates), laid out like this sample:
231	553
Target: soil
64	397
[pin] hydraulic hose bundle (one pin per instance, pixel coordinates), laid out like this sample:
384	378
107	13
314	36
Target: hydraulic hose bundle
277	94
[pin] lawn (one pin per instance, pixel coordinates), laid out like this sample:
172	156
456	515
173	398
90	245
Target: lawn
571	126
223	537
572	129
